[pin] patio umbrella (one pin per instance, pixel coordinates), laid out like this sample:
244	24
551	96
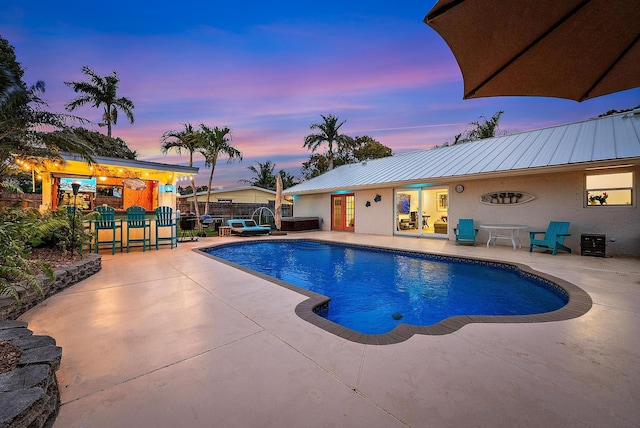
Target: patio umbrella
278	213
574	49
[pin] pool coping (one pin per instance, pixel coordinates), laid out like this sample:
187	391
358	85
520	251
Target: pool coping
579	302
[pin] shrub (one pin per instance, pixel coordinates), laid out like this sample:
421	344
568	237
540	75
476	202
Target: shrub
21	230
56	228
18	230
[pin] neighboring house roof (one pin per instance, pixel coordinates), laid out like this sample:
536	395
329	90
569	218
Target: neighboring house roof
611	138
227	192
135	164
231	189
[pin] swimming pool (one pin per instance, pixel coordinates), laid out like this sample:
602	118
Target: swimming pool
375	291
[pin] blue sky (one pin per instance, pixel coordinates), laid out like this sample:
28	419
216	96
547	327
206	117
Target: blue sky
268	70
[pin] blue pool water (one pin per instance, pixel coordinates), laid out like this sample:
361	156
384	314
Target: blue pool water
372	291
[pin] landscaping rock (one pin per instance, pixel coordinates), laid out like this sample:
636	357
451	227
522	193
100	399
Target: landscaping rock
29	394
26	377
23	408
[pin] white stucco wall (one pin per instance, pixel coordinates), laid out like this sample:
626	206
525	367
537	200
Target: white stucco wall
559	196
376	219
314	206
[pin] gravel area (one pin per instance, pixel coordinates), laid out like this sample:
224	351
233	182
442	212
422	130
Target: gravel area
9	356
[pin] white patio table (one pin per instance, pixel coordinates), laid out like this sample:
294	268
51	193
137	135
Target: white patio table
499	231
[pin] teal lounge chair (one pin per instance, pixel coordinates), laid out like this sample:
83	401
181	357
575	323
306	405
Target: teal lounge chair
244	227
465	232
553	238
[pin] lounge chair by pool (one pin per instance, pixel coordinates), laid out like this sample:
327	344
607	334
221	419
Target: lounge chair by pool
244	227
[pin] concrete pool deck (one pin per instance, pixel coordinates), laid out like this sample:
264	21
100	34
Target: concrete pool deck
171	338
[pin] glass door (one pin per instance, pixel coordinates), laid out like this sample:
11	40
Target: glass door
343	213
407	211
421	211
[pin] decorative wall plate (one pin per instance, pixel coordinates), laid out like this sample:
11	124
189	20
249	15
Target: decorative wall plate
506	198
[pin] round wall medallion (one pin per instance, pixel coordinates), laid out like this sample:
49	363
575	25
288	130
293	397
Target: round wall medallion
459	188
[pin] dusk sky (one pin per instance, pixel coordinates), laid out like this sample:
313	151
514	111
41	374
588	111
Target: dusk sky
268	70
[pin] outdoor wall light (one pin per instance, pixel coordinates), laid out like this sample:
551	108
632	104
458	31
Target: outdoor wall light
168	188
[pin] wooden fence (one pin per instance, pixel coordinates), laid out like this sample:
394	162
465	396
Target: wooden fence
20	200
229	210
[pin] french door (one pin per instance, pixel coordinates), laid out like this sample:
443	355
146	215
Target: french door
343	213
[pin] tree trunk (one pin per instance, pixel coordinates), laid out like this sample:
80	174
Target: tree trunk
213	167
195	198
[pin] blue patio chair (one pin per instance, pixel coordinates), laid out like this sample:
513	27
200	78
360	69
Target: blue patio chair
164	220
107	222
465	232
137	219
553	238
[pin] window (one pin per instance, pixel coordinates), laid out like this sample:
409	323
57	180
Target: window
114	191
609	189
110	195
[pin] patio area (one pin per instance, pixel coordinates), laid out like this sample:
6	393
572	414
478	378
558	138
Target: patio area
171	338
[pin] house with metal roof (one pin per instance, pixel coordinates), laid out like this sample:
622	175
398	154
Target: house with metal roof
585	173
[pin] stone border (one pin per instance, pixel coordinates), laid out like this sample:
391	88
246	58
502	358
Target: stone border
29	394
64	277
579	302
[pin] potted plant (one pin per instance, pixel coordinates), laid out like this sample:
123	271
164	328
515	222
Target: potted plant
601	199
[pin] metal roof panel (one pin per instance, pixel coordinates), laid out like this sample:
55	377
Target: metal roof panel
606	138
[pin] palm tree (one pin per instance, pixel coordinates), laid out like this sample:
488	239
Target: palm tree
101	91
330	134
25	124
185	140
25	130
263	175
288	180
213	143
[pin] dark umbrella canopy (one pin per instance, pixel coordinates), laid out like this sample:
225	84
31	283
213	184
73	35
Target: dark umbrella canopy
574	49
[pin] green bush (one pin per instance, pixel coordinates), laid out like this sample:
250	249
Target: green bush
57	228
21	230
18	230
